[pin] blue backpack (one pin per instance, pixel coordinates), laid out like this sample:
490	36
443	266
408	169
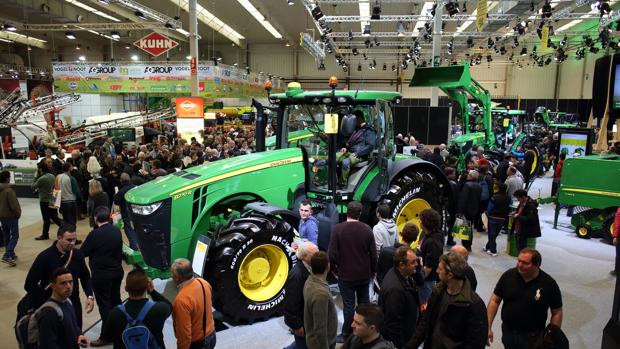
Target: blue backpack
136	335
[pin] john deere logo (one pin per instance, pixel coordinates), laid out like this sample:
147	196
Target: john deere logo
188	106
156	44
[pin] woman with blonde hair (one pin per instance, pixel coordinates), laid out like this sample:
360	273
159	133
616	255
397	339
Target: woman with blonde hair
96	197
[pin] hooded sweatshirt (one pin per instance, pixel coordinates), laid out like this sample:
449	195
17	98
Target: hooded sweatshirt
9	206
385	234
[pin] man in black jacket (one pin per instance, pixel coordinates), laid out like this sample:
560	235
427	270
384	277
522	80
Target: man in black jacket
55	333
526	223
353	256
119	199
469	202
294	300
60	254
399	298
104	248
456	316
501	169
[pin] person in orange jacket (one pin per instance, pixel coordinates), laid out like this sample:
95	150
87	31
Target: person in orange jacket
616	233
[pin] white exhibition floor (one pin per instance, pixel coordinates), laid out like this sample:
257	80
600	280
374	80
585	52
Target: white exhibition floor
581	268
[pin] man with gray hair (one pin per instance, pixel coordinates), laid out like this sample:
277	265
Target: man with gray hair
471	275
456	315
294	290
119	199
192	312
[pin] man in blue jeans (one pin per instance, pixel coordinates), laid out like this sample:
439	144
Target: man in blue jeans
353	256
10	211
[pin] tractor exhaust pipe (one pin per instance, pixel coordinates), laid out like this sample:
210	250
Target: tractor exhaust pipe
261	124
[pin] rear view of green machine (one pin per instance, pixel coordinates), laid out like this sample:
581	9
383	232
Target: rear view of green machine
592	184
457	83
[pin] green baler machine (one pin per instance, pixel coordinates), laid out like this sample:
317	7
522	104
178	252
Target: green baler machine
592	184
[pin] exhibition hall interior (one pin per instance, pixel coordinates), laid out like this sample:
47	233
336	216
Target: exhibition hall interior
309	174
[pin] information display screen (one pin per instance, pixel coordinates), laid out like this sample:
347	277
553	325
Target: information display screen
575	142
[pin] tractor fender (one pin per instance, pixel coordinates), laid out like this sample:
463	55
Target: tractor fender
419	165
272	210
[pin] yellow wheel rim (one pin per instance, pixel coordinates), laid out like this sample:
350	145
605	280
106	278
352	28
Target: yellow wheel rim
583	231
411	213
535	163
611	229
263	272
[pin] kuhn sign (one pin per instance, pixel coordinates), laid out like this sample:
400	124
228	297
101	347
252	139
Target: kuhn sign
156	44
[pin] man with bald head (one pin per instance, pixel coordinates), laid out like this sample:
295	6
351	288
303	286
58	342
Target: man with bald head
294	291
469	273
189	307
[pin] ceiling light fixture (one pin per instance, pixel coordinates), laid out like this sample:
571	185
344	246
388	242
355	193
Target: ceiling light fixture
134	57
366	31
78	47
93	10
140	15
260	18
376	12
451	8
70	35
290	2
115	35
9	27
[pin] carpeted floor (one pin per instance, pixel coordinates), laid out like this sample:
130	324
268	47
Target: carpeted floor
581	268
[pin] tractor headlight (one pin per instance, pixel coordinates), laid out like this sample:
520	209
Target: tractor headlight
145	210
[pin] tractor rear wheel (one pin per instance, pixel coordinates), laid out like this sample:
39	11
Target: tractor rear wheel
608	229
410	194
584	231
248	267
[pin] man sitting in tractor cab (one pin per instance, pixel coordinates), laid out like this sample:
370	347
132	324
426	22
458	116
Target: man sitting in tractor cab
357	148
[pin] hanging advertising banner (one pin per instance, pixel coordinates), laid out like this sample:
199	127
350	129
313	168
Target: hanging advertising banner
190	119
155	44
481	14
220	81
544	37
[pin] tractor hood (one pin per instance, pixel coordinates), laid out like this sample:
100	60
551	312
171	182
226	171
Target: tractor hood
467	137
177	183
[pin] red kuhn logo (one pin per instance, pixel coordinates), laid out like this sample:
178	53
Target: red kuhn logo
156	44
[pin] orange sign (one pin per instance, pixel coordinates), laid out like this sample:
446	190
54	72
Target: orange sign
189	107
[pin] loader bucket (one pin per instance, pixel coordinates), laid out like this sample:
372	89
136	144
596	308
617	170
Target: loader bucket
453	76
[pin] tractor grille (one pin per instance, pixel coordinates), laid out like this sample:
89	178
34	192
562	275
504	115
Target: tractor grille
153	233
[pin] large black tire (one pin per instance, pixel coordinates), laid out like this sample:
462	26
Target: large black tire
262	238
607	232
410	193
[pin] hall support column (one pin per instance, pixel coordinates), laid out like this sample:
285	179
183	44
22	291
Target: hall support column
193	47
436	50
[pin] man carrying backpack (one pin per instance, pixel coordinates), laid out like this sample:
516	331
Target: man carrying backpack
59	329
149	316
486	184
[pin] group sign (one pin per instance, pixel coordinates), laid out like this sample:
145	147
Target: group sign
219	81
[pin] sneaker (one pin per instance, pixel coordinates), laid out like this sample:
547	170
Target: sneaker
10	261
484	249
42	237
341	338
490	253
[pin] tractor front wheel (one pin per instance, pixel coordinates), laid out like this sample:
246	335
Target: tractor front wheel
410	194
584	231
608	229
248	268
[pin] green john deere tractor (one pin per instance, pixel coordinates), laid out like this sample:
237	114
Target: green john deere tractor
240	214
591	184
457	83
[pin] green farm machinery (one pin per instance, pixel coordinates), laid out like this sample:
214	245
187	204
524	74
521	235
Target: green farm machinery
236	218
591	184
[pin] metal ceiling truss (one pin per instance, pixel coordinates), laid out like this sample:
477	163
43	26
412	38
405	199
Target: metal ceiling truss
150	13
412	1
447	34
491	17
15	69
94	26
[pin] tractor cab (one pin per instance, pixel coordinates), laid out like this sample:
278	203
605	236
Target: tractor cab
322	122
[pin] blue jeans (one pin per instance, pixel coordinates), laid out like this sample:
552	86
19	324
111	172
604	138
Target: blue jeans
131	234
517	340
348	291
10	229
69	212
299	343
495	225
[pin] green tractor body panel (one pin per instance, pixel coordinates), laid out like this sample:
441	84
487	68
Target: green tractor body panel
591	181
353	95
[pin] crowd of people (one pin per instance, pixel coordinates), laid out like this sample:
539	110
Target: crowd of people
422	296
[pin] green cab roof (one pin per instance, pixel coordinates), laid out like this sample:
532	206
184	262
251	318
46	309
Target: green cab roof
354	95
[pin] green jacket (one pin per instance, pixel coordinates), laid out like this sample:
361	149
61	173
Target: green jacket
320	318
44	184
9	206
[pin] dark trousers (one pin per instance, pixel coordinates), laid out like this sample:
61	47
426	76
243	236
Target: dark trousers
69	212
107	294
520	241
131	234
450	227
10	228
495	225
77	306
348	291
299	343
207	343
517	340
49	215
